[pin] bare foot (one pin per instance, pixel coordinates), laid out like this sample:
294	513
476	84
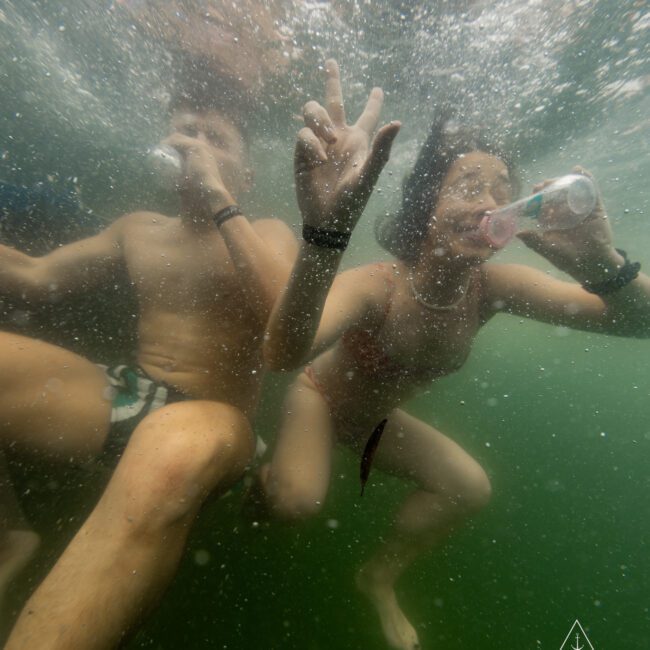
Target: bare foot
399	633
16	550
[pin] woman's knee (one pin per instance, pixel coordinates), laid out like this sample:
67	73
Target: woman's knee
291	499
475	490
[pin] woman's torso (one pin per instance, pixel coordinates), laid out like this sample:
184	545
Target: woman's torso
377	365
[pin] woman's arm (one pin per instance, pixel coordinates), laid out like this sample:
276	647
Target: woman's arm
586	253
336	168
525	291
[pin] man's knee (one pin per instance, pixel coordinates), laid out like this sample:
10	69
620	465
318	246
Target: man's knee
182	453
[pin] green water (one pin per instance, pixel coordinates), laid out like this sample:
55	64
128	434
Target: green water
559	419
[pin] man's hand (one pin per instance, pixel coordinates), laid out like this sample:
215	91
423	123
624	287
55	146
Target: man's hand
335	166
586	252
202	183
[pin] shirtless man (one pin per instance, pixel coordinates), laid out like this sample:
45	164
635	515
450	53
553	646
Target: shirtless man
179	419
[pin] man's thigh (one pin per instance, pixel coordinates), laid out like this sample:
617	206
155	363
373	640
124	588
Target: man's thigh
52	401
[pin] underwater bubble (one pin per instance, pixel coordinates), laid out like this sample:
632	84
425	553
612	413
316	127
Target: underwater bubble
53	385
202	557
109	393
20	317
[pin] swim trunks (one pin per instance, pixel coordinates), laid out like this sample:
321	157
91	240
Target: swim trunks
133	395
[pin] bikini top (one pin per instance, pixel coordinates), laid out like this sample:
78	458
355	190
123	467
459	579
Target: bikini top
364	345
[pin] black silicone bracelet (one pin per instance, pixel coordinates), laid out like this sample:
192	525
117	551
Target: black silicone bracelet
222	216
332	239
628	272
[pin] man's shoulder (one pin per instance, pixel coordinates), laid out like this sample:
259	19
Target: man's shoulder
132	220
142	216
278	235
271	226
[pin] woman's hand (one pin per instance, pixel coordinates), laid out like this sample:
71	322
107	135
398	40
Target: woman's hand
585	252
335	165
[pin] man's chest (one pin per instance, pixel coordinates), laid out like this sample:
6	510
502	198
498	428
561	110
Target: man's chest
166	264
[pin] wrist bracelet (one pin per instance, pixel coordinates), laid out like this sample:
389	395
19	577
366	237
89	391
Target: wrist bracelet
332	239
222	216
628	272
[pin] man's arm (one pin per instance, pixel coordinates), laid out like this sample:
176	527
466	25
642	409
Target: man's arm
80	264
263	253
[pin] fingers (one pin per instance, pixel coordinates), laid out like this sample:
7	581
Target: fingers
538	187
309	152
379	155
533	240
333	93
369	119
317	119
584	172
182	143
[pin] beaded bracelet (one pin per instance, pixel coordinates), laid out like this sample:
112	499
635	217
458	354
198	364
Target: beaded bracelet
628	272
222	216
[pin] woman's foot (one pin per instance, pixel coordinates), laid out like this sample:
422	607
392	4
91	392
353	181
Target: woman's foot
16	550
399	633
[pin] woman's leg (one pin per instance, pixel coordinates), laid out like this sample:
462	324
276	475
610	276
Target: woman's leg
296	480
51	404
451	486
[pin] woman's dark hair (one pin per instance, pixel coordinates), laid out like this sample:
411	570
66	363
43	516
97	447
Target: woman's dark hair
402	233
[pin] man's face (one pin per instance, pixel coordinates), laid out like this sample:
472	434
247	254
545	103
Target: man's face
225	140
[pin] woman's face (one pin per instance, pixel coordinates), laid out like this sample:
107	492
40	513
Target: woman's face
476	183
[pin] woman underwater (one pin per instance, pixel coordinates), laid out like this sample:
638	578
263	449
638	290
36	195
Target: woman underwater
380	333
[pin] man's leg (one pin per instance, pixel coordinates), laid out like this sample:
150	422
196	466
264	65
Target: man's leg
126	553
53	405
18	543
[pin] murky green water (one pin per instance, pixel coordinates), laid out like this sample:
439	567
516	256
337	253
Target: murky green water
559	419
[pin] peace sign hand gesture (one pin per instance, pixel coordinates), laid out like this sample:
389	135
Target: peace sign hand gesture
335	165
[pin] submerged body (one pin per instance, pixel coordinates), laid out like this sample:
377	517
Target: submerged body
380	333
204	294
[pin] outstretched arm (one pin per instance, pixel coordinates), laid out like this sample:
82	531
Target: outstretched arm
587	254
77	265
336	168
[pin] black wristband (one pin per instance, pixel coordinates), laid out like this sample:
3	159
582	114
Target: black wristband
222	216
628	272
332	239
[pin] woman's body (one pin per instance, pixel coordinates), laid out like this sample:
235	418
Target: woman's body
383	332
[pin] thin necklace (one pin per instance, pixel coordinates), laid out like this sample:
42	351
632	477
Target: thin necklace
433	307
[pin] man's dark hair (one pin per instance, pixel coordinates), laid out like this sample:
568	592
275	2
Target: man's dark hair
200	88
